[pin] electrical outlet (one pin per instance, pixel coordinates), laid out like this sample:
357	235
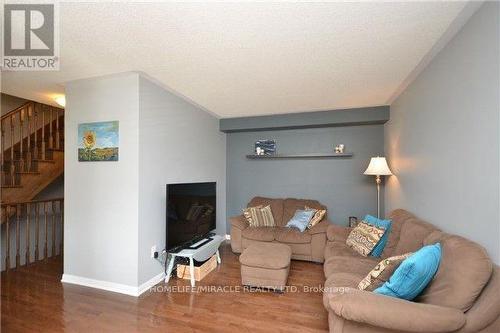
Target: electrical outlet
153	250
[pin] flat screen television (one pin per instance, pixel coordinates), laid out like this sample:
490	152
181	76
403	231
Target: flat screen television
191	214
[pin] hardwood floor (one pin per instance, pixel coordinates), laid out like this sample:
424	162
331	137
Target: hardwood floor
34	300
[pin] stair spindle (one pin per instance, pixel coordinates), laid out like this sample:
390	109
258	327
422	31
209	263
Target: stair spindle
28	217
58	134
2	147
12	166
53	229
36	120
51	135
46	249
37	231
18	235
43	133
29	118
7	239
21	138
61	210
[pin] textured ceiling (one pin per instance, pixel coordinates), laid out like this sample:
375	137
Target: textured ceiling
238	59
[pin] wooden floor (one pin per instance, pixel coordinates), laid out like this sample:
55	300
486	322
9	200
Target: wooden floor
34	300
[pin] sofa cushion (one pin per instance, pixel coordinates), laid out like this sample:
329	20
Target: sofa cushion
339	283
301	219
412	235
290	205
464	271
349	264
292	235
340	249
276	207
379	223
319	215
265	234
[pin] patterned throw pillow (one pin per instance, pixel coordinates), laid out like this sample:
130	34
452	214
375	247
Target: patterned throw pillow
364	237
382	272
318	216
259	216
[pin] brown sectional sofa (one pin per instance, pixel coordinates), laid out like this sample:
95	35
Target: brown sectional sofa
463	297
308	245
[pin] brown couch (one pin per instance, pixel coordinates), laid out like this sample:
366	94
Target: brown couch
308	245
463	297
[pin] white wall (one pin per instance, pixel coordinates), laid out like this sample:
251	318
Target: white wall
178	143
101	198
115	211
442	140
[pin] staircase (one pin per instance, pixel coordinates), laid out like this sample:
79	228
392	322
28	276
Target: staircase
32	157
32	150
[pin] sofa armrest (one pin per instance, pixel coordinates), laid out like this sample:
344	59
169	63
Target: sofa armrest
394	313
337	233
239	222
319	228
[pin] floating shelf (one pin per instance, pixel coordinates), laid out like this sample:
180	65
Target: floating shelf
316	155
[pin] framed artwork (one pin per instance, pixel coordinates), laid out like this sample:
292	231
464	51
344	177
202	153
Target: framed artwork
98	141
265	147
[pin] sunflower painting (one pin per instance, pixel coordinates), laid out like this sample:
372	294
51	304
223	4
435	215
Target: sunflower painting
98	141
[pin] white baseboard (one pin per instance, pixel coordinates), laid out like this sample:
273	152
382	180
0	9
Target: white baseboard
228	237
111	286
151	282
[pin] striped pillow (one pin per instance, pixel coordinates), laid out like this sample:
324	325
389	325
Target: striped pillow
259	216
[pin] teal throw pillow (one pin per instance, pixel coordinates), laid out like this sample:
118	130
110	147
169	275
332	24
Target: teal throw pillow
386	224
414	274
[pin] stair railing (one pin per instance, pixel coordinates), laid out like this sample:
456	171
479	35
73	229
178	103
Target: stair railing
30	228
27	134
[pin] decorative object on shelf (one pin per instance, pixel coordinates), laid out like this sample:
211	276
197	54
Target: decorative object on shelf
265	147
353	221
339	149
378	167
98	141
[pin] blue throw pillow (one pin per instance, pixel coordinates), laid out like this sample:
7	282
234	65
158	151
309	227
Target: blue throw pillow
301	219
386	224
414	274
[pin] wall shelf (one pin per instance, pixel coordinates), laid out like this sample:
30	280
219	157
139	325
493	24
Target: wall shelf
314	155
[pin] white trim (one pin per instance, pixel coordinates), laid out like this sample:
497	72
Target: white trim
111	286
150	283
228	237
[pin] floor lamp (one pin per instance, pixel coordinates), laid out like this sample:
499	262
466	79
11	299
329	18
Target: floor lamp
378	167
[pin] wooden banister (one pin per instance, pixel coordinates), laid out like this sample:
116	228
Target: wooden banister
19	213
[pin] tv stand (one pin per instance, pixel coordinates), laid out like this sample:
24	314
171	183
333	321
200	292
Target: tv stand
207	248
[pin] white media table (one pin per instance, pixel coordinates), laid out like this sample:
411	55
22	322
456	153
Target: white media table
202	253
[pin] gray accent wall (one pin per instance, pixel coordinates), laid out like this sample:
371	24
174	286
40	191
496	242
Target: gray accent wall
179	143
338	183
442	140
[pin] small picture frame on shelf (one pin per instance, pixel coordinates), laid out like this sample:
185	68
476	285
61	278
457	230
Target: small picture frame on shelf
265	147
353	221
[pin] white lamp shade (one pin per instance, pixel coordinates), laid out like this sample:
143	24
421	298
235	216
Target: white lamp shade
378	167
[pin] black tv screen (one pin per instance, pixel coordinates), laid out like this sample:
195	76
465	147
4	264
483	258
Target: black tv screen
191	213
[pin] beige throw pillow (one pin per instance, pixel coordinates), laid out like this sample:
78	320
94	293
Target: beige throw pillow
259	216
382	272
364	237
318	216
